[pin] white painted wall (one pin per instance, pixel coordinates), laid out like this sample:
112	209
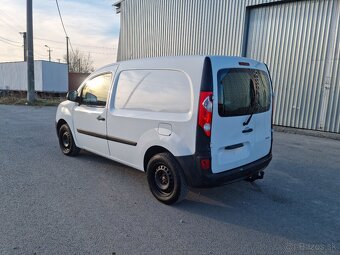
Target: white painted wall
48	76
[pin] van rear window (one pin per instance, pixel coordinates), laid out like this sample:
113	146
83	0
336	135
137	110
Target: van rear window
242	92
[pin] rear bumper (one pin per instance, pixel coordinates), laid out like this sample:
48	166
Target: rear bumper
199	178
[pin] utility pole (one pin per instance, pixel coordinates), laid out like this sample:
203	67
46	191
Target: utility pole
49	52
67	55
25	45
30	53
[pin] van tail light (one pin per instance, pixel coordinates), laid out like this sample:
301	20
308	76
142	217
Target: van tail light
205	112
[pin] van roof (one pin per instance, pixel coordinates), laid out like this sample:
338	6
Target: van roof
155	61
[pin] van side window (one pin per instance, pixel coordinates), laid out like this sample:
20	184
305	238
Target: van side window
94	92
243	92
153	90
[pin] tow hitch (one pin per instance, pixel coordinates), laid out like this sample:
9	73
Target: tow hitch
258	175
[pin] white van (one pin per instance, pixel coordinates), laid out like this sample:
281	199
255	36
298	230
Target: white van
193	120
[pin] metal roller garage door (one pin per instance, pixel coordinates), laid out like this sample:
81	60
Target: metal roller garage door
300	43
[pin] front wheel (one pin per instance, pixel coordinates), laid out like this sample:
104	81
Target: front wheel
165	178
66	141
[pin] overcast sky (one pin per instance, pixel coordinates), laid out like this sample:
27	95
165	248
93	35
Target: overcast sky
93	26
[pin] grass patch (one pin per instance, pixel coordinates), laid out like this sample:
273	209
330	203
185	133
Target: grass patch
19	98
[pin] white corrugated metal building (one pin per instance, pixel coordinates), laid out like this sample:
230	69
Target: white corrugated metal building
48	76
299	40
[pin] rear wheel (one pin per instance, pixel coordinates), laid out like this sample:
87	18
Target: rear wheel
66	141
165	178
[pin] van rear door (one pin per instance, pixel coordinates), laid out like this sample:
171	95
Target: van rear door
241	125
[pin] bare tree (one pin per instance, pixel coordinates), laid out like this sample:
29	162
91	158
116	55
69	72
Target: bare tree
80	62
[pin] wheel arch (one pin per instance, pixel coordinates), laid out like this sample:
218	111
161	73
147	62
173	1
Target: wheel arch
152	151
59	124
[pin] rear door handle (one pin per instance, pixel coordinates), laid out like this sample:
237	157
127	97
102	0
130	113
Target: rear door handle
100	118
248	130
235	146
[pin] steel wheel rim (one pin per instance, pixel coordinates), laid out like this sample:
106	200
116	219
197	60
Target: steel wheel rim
164	180
65	139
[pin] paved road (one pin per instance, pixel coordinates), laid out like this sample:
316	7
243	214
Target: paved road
53	204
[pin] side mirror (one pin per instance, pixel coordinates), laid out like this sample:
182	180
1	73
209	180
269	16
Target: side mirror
73	96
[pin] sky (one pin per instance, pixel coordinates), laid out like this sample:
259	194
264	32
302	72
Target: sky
92	26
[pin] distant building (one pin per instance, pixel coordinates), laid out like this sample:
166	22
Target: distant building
299	40
49	76
76	79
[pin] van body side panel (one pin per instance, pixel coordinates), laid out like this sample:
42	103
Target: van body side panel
134	117
144	133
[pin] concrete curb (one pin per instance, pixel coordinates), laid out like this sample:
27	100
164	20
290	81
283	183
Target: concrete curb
315	133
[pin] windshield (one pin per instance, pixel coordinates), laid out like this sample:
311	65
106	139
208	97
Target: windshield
243	92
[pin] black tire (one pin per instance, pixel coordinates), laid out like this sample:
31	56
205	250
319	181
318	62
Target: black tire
66	141
166	179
